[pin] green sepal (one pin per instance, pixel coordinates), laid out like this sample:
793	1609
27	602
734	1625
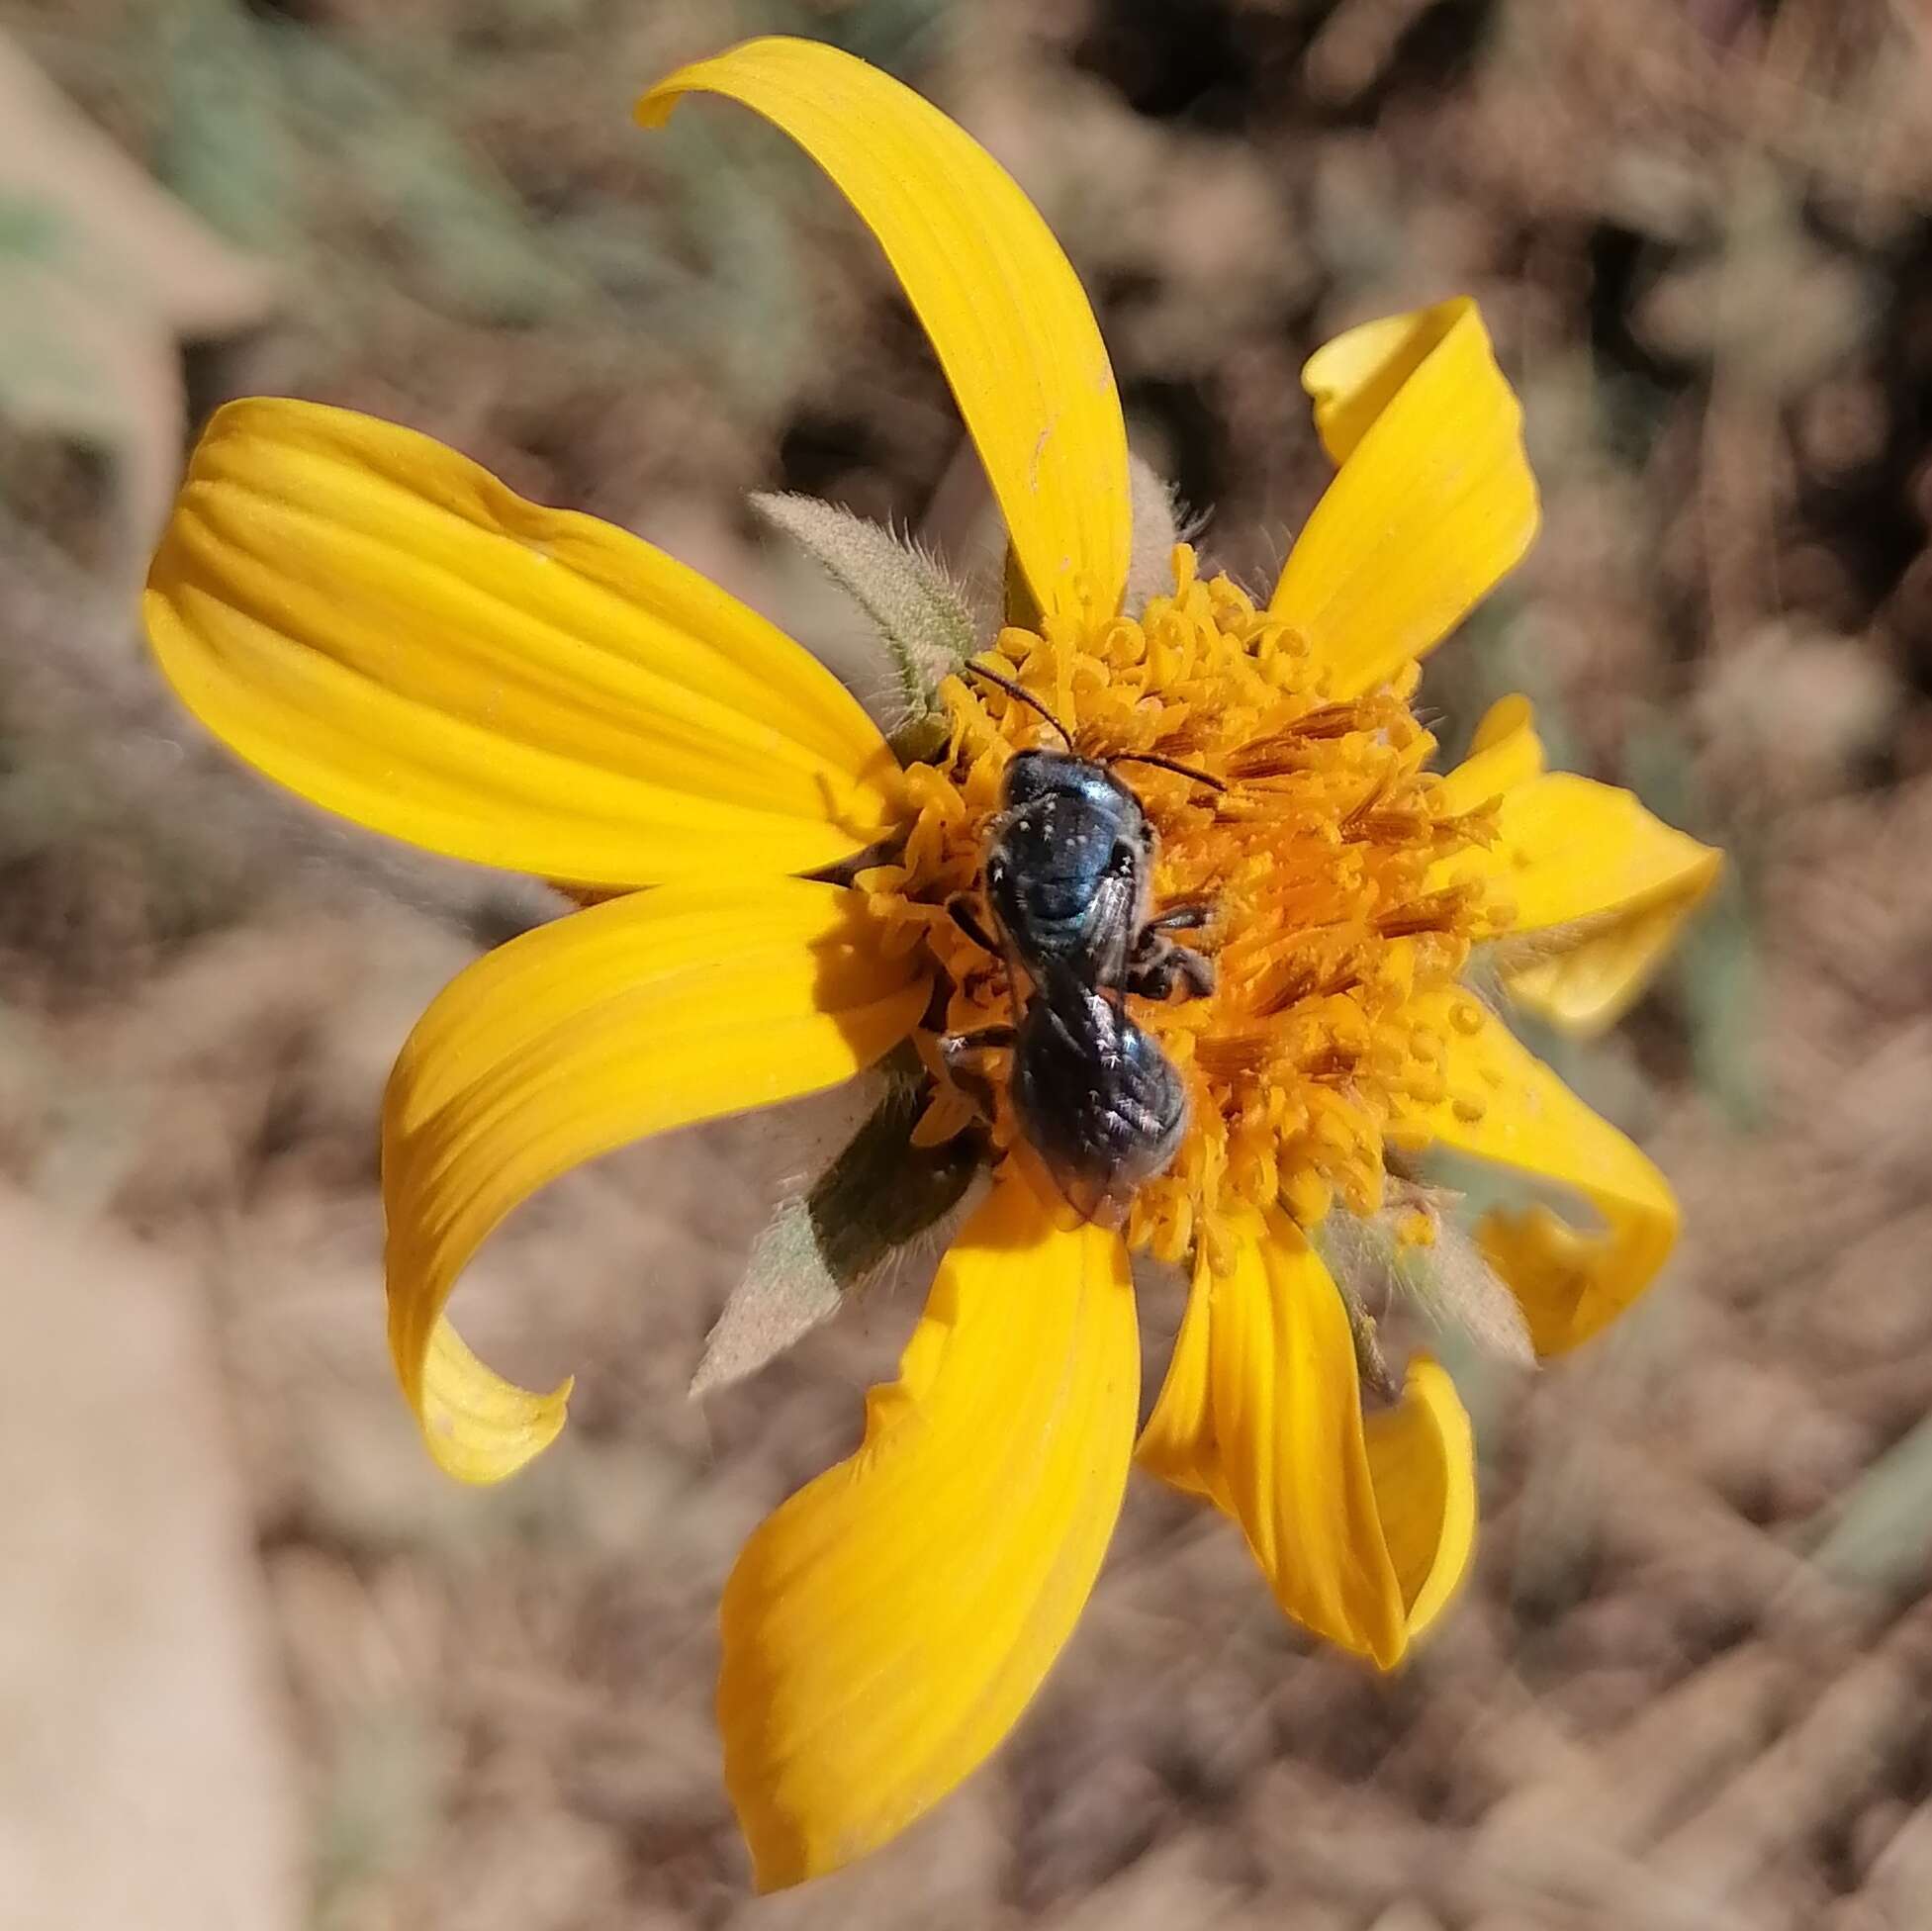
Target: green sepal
1449	1283
822	1246
1157	527
923	618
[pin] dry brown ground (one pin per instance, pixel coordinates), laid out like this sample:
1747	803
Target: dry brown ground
1688	1686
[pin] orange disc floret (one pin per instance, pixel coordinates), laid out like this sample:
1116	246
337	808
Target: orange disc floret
1318	860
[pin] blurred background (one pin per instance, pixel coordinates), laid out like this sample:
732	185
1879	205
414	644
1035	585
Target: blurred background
260	1666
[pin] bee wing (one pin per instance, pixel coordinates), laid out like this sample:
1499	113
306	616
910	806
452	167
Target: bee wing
1091	1189
1060	1079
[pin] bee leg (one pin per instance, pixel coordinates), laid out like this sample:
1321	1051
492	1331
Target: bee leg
1180	918
1197	969
956	1049
1159	964
959	907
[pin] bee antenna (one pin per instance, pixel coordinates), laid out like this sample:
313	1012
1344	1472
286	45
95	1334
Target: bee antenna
1026	697
1167	764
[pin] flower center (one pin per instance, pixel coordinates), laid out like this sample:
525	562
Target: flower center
1319	861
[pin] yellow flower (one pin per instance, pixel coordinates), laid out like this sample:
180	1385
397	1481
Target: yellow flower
377	623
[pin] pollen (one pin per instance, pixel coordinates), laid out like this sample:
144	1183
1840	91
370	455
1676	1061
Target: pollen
1321	862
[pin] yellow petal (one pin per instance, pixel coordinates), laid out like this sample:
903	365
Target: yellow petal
1364	1526
1434	502
1178	1443
378	623
646	1012
1421	1457
1506	752
1590	889
1004	310
1505	1106
1288	1421
1584	984
885	1627
1606	885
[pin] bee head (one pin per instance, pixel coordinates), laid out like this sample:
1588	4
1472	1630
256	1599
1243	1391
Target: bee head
1035	774
1089	793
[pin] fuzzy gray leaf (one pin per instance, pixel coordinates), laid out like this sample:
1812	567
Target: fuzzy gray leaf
922	616
880	1195
1450	1282
1453	1282
1156	528
787	1291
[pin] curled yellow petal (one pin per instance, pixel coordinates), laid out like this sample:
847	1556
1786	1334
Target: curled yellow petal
1585	979
646	1012
1588	890
1505	1106
1421	1457
1434	502
1006	315
1364	1526
885	1627
378	623
1600	891
1504	753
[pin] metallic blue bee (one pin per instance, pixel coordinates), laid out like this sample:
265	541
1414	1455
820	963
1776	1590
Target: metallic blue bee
1068	882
